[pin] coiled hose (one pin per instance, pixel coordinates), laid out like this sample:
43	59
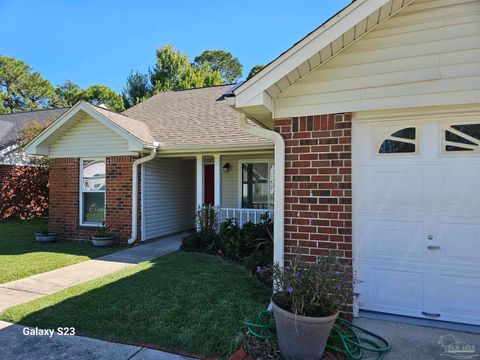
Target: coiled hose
346	338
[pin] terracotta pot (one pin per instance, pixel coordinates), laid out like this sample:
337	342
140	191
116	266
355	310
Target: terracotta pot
42	237
103	240
301	337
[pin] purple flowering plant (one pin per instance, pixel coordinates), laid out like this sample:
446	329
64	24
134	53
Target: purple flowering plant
320	288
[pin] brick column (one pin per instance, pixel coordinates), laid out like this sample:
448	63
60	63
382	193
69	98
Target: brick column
318	184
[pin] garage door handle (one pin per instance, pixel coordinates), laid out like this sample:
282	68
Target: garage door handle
432	247
430	315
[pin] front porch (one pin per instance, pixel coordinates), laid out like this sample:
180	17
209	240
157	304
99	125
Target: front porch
239	185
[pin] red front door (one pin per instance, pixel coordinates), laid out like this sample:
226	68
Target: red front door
208	185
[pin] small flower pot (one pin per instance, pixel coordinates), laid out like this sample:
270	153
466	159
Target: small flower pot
103	240
301	337
42	237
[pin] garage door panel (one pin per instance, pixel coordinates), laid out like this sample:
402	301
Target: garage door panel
458	244
400	191
392	289
452	191
395	241
454	296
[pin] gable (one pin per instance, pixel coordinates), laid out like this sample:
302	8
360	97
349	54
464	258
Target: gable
427	54
86	137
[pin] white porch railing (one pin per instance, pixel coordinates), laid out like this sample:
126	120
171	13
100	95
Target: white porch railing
244	215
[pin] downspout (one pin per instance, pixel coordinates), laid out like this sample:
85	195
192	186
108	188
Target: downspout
279	199
143	160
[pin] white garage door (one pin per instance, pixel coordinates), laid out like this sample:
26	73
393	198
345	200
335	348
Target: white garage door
417	216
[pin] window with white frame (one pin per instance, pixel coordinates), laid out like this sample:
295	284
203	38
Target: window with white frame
461	138
257	185
92	192
396	140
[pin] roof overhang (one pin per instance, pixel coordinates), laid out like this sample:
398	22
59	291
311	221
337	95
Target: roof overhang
257	95
40	145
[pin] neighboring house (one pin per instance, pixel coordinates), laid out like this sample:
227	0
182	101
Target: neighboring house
16	170
373	122
10	127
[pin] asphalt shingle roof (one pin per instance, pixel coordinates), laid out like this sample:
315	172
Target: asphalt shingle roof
197	117
11	124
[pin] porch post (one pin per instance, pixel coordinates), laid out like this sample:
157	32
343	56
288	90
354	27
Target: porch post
199	181
217	180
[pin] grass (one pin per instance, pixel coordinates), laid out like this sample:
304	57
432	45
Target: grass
22	256
180	302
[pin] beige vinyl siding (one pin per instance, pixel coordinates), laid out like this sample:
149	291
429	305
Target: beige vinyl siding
169	196
88	138
426	55
230	188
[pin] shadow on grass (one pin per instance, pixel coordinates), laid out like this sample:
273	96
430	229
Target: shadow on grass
180	301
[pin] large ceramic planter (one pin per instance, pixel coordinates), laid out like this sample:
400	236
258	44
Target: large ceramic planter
301	337
103	240
42	237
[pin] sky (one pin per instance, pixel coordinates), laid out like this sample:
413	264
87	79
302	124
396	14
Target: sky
100	42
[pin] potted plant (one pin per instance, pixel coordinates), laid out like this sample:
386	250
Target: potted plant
45	236
306	302
103	236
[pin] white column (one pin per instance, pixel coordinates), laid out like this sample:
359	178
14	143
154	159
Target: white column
200	180
217	176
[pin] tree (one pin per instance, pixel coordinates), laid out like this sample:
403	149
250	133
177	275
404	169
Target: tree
256	69
173	71
70	93
137	89
222	61
22	89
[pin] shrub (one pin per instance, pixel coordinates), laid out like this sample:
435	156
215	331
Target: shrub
320	288
205	237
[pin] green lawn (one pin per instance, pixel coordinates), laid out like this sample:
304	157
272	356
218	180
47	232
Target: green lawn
180	302
22	256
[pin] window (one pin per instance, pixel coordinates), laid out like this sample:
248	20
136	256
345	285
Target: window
92	192
257	185
396	140
461	139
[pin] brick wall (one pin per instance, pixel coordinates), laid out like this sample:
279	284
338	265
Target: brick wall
64	198
318	183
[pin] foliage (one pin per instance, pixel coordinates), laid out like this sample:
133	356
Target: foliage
137	89
173	71
205	237
24	193
254	70
180	301
21	256
22	89
27	133
222	61
70	93
104	230
319	288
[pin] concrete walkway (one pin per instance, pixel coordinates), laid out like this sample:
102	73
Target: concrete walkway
18	346
33	287
413	342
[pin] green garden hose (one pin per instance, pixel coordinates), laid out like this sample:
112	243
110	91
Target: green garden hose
346	338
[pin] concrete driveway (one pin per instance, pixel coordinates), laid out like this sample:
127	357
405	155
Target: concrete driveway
413	342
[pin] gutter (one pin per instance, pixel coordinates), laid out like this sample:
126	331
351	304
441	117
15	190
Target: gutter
137	162
279	196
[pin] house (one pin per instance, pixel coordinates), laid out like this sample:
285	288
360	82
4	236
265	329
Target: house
186	149
379	110
17	170
372	122
10	127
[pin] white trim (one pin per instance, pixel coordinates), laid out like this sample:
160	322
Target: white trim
355	249
35	146
217	180
81	192
199	182
240	178
142	203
